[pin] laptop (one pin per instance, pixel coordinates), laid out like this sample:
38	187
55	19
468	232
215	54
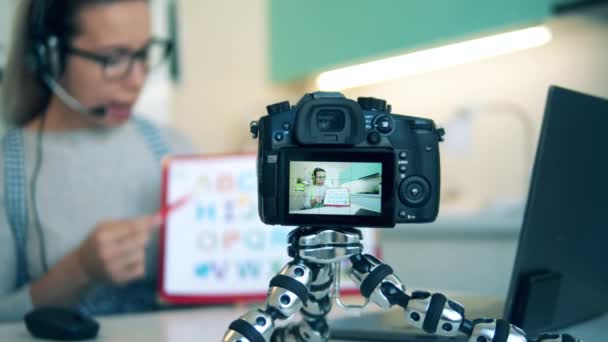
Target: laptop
560	275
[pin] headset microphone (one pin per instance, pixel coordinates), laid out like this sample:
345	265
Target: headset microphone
70	101
99	111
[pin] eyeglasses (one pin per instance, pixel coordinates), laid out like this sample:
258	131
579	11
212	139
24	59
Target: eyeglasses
118	65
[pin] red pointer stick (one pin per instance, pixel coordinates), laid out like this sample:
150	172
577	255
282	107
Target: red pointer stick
167	210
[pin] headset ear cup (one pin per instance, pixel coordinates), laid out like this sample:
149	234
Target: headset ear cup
53	58
40	59
46	58
36	57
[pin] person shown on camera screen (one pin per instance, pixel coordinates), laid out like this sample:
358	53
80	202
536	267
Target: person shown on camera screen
316	193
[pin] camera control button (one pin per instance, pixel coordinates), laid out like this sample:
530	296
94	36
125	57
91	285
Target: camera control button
403	155
402	167
423	125
379	104
372	103
286	126
278	136
414	191
402	213
373	138
384	124
365	102
279	107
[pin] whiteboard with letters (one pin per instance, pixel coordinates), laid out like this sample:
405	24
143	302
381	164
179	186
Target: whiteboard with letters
213	247
338	197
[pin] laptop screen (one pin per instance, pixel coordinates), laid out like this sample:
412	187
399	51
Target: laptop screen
560	276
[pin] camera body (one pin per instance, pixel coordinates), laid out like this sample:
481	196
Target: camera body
331	161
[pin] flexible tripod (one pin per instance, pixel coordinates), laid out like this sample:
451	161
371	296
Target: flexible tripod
305	285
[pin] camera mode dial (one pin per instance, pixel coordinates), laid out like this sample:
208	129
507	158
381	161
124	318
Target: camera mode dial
384	124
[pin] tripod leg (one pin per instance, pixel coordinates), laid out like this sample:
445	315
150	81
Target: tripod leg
302	285
288	293
432	313
313	326
307	330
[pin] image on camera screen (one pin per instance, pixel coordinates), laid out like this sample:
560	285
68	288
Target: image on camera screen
335	188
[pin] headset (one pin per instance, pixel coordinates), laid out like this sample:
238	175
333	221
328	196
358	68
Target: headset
47	57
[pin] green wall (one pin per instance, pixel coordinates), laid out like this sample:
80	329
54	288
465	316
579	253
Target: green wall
358	171
314	35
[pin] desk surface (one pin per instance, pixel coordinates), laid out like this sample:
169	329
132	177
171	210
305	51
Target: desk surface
209	324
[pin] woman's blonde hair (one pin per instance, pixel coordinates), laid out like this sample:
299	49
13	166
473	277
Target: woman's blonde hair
24	95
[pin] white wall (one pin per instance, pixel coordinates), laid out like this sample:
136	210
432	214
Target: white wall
467	264
6	8
155	99
225	87
6	14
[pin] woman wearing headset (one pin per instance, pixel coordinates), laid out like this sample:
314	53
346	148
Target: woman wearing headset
80	175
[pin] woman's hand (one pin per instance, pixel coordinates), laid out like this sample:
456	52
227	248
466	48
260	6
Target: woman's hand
316	200
115	251
313	201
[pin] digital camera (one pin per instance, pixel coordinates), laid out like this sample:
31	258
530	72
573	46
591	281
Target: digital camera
331	161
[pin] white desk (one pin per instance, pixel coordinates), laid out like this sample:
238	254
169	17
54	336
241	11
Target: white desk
172	326
209	324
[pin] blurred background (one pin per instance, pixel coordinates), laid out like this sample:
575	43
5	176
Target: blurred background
481	69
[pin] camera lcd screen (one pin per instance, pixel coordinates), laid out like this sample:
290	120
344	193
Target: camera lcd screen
335	188
342	187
